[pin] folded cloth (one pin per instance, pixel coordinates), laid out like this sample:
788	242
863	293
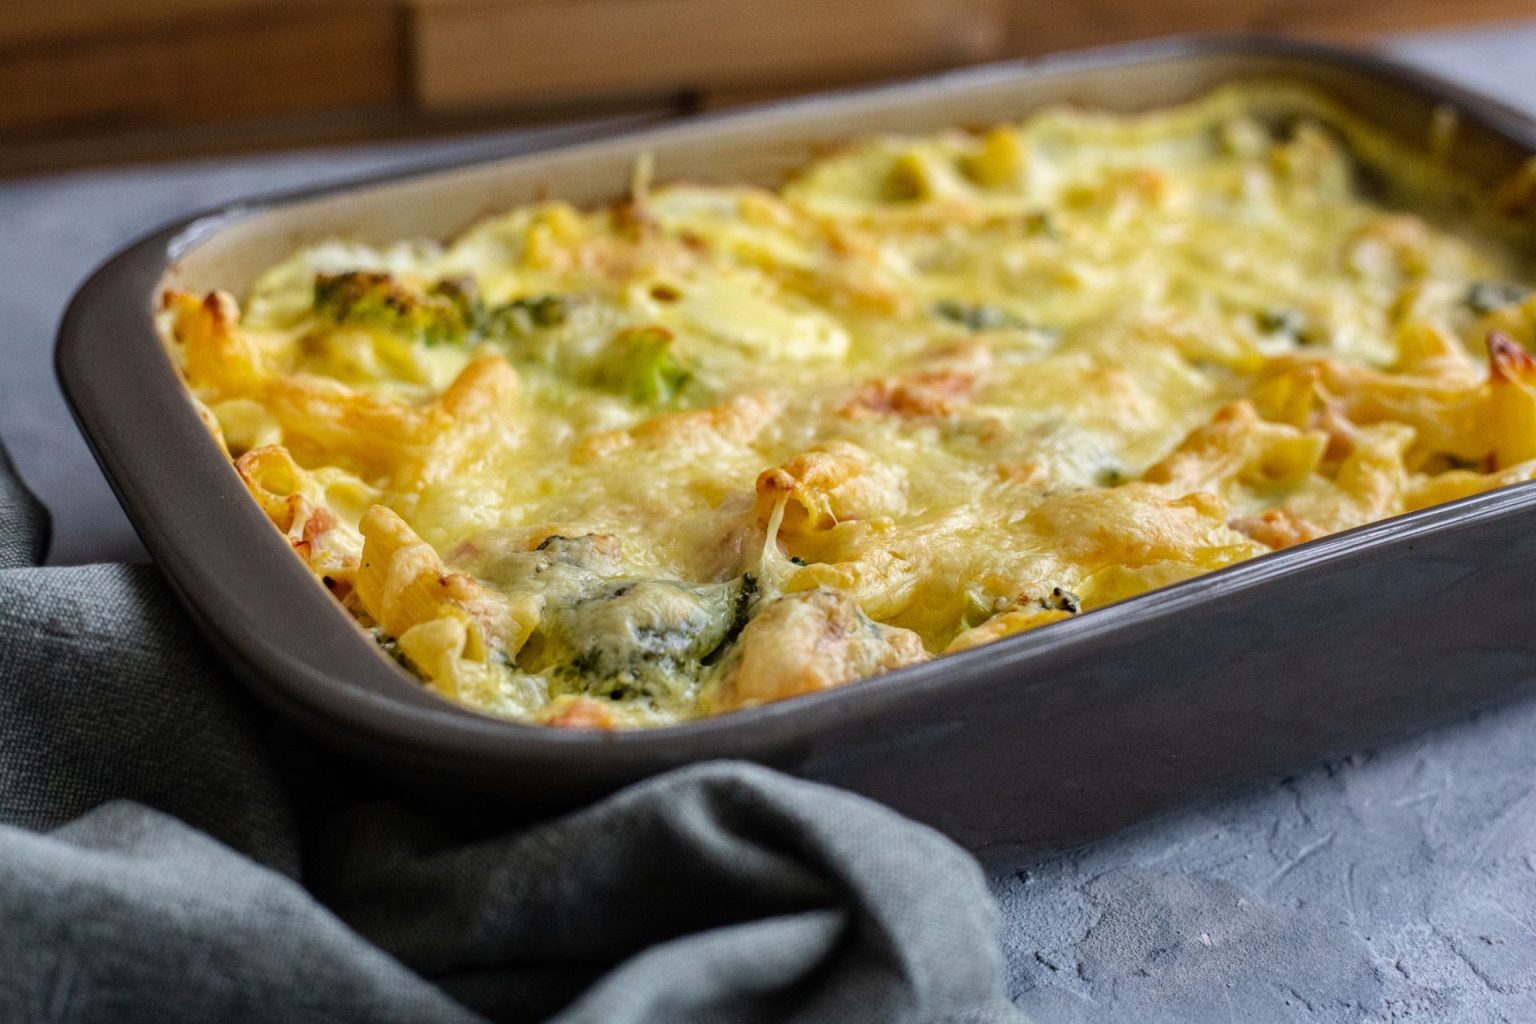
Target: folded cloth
169	853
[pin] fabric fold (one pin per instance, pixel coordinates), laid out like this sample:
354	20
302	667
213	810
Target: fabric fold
24	523
775	899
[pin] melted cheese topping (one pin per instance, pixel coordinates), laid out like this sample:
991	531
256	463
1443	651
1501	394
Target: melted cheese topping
716	446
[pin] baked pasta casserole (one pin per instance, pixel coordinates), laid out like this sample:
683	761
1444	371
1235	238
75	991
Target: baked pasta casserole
717	445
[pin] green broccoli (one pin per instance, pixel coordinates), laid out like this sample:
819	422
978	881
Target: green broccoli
532	312
637	637
976	316
643	363
1285	322
449	312
1483	297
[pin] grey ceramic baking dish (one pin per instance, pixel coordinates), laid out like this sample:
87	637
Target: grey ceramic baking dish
1045	738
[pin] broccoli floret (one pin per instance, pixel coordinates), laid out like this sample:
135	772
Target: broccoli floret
1286	322
449	312
1483	297
641	637
532	312
976	316
743	595
643	363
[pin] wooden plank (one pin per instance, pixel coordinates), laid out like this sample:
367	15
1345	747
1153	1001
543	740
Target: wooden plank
302	131
1362	20
35	21
283	59
1037	27
469	53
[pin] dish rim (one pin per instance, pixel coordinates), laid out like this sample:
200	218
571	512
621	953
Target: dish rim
376	710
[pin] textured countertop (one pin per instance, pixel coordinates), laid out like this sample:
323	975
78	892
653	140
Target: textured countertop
1393	885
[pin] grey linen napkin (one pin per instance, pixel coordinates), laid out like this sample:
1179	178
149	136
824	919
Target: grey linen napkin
169	853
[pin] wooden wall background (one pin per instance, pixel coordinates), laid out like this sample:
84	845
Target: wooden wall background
92	81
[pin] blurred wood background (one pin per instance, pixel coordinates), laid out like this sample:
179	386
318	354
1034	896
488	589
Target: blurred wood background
100	81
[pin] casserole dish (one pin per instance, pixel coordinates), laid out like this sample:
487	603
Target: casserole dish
1042	738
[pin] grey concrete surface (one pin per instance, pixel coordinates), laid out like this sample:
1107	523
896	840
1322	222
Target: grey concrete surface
1392	886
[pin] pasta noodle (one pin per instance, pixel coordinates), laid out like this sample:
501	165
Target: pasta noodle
716	445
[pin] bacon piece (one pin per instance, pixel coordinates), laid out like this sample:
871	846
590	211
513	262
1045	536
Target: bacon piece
583	713
1276	528
936	393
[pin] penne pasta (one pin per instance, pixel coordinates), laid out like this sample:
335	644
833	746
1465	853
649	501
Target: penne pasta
715	446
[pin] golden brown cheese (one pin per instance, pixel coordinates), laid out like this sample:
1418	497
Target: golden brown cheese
717	446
